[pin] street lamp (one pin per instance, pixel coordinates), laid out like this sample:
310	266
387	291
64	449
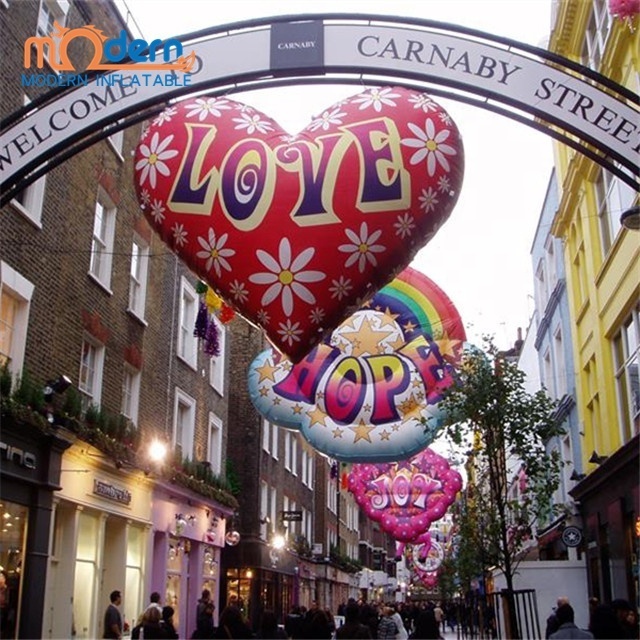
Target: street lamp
630	219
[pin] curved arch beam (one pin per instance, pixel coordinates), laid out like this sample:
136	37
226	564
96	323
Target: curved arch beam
565	100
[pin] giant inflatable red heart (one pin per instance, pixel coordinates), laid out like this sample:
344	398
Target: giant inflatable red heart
295	232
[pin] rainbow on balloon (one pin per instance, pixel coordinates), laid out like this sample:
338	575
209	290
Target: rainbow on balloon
370	392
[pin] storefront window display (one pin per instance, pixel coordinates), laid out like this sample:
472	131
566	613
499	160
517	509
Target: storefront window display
85	573
13	526
209	569
175	553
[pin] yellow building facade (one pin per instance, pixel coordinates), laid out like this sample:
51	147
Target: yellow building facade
602	260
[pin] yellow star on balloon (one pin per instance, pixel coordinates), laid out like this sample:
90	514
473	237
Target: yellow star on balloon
362	432
266	372
337	432
317	417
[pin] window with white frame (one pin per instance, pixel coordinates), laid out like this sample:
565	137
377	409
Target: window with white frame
626	353
307	518
15	302
550	262
29	200
275	434
266	435
184	421
91	365
331	495
215	443
310	471
130	393
104	224
138	276
218	363
548	372
291	453
116	140
303	466
264	509
596	34
187	342
541	287
51	11
560	363
613	196
273	504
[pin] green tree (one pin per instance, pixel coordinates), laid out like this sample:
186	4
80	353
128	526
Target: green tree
512	476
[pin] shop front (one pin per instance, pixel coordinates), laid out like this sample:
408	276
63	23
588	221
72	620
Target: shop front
257	577
188	534
609	498
99	543
29	474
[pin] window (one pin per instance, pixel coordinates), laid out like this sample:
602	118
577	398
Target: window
613	196
626	353
138	277
15	302
266	428
214	455
596	35
104	223
51	11
184	420
561	369
548	373
275	432
541	287
310	471
550	263
218	363
116	141
291	453
273	503
264	509
130	393
91	363
187	342
29	201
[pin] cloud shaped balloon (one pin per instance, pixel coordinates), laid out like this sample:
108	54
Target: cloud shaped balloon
292	231
405	497
361	395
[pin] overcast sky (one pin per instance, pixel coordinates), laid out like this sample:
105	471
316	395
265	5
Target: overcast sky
480	257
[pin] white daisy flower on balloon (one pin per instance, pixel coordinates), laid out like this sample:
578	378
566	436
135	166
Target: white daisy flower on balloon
153	157
215	253
327	119
252	123
363	247
424	102
404	225
239	291
285	276
376	98
430	145
290	332
157	211
165	116
179	234
203	107
428	199
317	315
340	288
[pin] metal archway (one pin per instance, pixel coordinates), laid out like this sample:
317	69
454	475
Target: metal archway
565	100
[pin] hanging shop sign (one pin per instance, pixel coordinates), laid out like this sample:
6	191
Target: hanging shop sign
111	492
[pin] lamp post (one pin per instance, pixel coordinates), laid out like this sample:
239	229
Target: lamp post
630	219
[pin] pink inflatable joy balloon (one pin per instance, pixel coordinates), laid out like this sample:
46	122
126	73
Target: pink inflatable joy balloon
405	497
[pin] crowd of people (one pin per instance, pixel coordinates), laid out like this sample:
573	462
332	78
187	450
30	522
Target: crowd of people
380	621
616	620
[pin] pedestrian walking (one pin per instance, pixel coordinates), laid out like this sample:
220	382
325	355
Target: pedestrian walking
552	620
567	627
112	622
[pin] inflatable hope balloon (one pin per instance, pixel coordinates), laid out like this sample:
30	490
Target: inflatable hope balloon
293	230
405	497
362	396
